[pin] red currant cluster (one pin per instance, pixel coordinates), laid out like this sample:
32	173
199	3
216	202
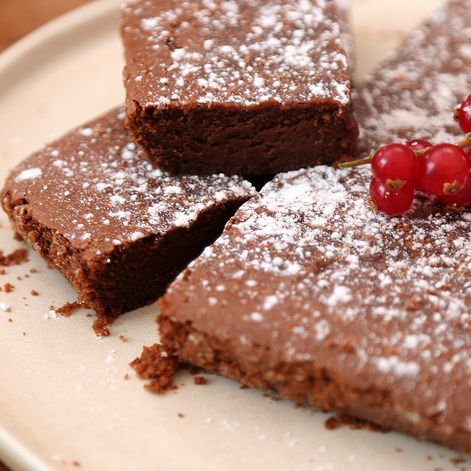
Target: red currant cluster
442	170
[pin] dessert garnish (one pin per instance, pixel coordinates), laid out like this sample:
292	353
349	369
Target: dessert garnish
442	170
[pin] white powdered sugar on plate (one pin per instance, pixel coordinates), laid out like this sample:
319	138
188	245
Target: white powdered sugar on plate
240	51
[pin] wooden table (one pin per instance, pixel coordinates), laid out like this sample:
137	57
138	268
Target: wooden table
19	17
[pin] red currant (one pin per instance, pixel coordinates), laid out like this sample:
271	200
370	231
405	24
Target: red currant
443	170
463	198
392	203
395	165
418	144
464	115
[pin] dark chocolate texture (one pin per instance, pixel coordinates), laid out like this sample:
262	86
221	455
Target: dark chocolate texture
313	294
241	87
117	228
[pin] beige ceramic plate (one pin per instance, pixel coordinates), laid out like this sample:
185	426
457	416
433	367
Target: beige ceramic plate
63	397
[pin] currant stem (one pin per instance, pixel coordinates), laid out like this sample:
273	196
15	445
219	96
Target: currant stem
465	142
357	163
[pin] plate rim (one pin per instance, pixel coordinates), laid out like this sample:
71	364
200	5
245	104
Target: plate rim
13	452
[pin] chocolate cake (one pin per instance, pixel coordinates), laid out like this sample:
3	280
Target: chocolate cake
313	294
413	93
239	87
117	228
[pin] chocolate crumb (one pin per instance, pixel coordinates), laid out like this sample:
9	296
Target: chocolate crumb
34	270
180	415
34	293
17	257
399	450
126	377
200	380
10	319
8	288
123	338
156	365
100	327
3	271
458	460
333	423
24	334
68	308
76	464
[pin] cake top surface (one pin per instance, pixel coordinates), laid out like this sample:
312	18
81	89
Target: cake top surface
236	51
93	187
309	269
413	93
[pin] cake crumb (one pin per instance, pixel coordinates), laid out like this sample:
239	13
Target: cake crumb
126	377
180	415
123	338
10	319
458	461
8	288
200	380
17	257
156	365
336	422
68	308
100	327
24	334
76	464
34	270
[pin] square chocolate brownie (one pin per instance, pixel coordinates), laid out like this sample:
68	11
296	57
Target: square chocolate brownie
239	87
116	227
313	294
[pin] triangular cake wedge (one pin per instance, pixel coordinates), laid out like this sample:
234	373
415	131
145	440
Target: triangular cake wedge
117	228
313	294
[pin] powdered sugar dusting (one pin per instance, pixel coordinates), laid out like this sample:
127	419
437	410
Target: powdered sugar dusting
392	294
241	51
29	174
413	93
381	305
104	193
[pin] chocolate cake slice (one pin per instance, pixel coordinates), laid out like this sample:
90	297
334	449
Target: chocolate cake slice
117	228
413	93
238	86
313	294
